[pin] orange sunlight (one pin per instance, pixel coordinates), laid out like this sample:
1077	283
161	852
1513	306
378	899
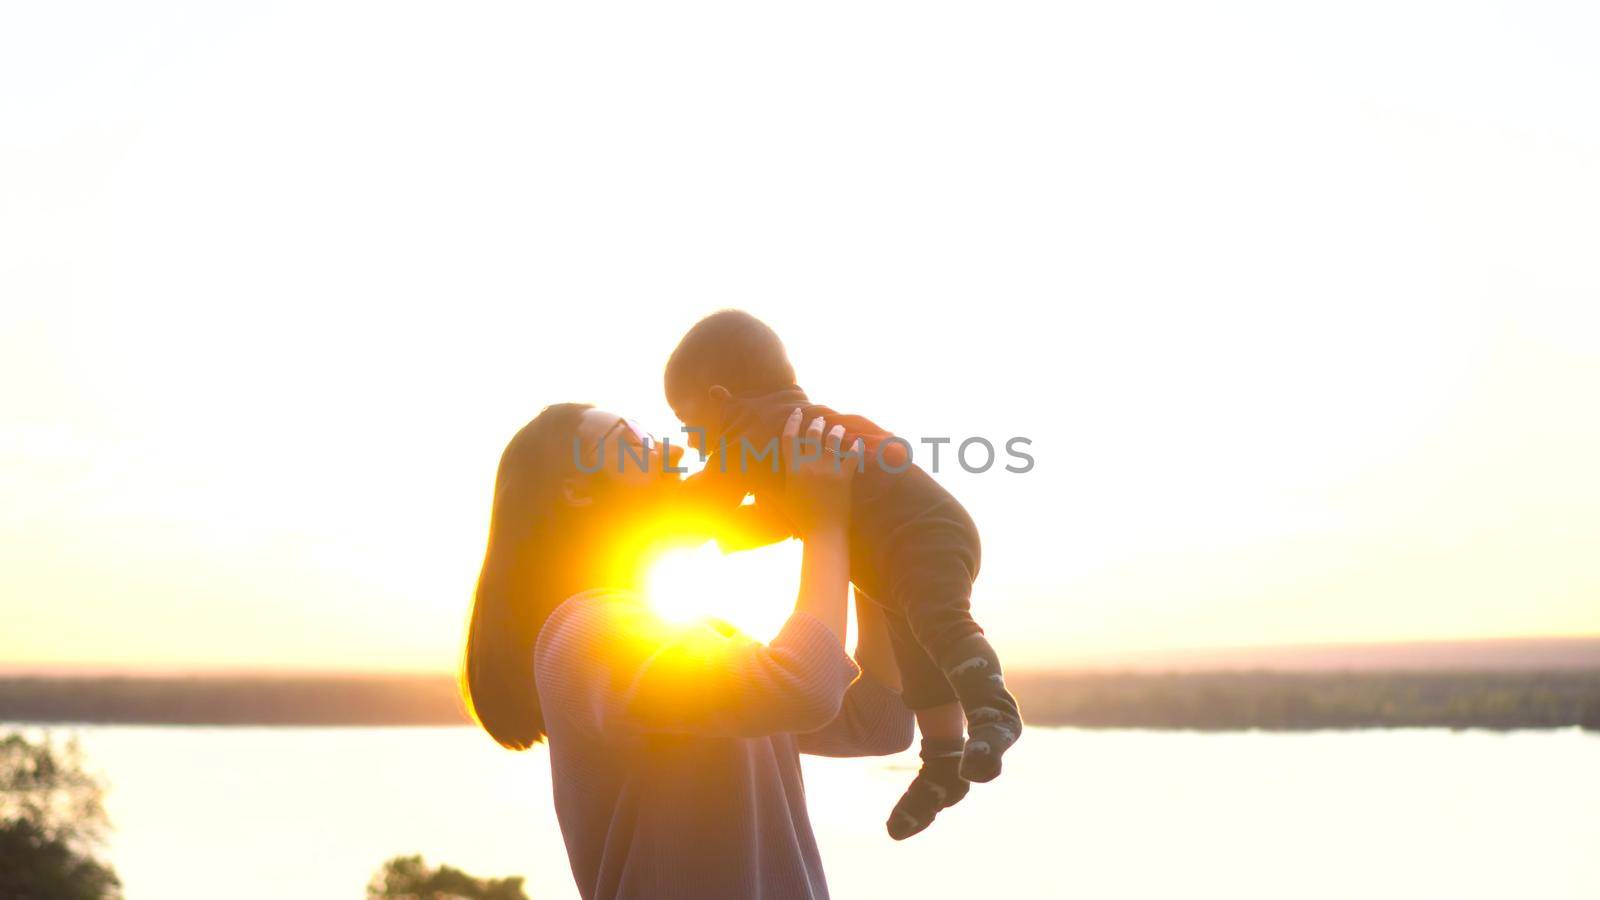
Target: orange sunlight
753	590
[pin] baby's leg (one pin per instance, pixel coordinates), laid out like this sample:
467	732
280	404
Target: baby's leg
938	785
927	691
943	721
931	565
993	720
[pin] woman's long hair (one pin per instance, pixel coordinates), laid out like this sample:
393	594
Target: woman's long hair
533	563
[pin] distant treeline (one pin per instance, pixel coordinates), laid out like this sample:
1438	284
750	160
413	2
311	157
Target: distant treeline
1212	701
233	700
1291	701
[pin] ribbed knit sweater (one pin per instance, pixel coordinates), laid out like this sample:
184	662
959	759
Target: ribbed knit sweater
674	749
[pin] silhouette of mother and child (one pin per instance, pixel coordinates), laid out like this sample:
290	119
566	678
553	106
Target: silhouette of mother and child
674	748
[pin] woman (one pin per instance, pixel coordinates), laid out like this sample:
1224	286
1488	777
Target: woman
673	749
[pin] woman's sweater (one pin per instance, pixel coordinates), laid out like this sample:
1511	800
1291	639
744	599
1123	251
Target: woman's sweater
674	749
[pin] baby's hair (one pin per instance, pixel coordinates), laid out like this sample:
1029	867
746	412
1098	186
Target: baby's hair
731	348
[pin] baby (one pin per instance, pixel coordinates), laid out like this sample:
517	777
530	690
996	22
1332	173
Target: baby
913	548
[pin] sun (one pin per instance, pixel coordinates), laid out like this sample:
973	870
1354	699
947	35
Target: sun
753	590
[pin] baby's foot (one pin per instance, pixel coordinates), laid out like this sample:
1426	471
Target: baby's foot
993	720
937	786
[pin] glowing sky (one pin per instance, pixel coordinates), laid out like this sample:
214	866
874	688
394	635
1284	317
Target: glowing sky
1301	309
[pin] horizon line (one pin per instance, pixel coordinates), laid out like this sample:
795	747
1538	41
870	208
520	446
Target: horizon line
1323	655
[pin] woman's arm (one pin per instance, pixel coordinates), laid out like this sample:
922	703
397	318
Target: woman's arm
816	497
615	667
872	720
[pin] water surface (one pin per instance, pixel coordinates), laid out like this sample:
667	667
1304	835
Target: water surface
311	812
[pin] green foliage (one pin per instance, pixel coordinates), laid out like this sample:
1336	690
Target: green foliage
52	816
35	866
47	786
409	878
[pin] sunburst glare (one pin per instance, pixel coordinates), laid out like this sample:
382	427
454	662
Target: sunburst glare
753	590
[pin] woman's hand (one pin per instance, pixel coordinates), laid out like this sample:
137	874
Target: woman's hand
816	499
816	495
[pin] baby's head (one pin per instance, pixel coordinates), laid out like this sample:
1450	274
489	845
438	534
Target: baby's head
726	353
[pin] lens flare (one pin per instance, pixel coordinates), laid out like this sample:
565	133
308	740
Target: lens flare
753	590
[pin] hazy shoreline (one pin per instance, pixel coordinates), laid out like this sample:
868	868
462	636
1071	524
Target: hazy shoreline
1194	700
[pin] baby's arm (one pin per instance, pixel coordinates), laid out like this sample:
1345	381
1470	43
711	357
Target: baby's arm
753	525
714	500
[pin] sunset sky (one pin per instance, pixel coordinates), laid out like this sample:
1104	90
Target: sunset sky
1300	310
